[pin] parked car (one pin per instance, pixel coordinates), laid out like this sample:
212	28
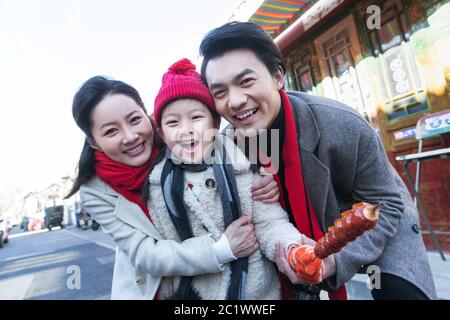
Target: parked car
84	220
54	217
4	232
36	224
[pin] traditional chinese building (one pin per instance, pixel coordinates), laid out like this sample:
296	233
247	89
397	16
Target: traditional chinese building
390	60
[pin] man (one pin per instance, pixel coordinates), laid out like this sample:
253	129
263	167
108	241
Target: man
329	157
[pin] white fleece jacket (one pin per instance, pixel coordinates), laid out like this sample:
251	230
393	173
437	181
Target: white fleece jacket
205	213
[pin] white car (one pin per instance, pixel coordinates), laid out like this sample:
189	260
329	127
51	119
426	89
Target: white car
4	232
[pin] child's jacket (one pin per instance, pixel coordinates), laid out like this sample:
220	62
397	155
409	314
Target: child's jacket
204	209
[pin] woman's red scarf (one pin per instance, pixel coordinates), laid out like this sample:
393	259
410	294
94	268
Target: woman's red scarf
124	179
293	179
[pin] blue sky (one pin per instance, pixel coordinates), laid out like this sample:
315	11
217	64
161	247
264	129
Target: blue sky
48	48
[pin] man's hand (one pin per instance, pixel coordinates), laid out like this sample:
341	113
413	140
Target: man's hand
241	237
306	264
309	269
329	262
285	268
265	189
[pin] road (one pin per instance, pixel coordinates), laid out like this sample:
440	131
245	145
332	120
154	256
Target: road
63	264
70	264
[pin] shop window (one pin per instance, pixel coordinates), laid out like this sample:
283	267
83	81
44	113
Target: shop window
340	66
394	28
304	72
289	81
402	89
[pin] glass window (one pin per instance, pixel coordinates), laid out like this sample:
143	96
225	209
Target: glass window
398	76
390	35
394	28
304	72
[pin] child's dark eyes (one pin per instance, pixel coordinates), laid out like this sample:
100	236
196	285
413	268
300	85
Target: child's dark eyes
171	122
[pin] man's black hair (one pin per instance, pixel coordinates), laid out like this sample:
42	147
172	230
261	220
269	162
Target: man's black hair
241	35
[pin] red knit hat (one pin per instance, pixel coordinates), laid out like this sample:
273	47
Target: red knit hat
181	81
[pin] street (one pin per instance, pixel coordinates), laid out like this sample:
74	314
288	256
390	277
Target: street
75	264
62	264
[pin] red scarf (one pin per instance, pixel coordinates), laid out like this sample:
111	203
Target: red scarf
293	179
126	180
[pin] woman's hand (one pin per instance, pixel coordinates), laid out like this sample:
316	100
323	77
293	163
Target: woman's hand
241	237
265	189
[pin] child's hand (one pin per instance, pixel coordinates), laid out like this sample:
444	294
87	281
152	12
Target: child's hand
265	189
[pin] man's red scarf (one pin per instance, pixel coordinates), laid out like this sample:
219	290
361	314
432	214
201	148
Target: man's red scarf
293	179
124	179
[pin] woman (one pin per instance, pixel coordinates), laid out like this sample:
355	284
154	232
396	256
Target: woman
119	150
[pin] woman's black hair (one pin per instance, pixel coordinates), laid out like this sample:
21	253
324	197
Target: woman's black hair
241	35
86	99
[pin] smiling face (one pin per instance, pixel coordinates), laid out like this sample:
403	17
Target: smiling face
122	130
244	91
187	128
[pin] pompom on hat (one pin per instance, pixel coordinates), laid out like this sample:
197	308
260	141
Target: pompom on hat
181	81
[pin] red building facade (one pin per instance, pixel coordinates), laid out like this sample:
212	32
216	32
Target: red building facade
387	59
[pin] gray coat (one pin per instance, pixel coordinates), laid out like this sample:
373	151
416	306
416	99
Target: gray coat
343	162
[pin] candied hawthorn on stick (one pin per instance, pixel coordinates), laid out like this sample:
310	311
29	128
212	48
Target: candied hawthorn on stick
307	260
352	224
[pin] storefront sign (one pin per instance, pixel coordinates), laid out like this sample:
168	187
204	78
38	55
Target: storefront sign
434	124
404	134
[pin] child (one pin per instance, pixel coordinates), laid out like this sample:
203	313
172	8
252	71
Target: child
201	186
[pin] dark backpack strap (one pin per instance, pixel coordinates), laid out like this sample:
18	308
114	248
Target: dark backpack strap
172	191
229	194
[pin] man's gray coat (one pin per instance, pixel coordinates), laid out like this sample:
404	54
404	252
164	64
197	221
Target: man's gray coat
343	162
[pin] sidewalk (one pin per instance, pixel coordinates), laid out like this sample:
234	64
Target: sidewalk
357	287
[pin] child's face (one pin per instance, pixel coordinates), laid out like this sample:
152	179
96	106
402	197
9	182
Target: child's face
187	128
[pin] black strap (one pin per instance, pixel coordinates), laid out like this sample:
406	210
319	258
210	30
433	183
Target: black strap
231	211
172	182
169	178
